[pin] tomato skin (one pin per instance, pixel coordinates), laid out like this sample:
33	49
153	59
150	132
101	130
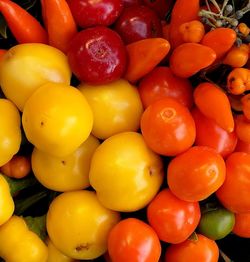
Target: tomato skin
161	83
210	134
174	220
234	193
242	225
168	127
196	174
202	250
133	240
242	128
242	147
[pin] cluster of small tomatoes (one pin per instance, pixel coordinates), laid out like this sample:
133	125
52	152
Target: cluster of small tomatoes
146	156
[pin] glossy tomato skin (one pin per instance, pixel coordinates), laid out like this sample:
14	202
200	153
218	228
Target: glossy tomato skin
196	174
174	220
203	250
161	83
209	133
138	22
242	225
97	55
134	241
168	127
242	147
91	13
234	193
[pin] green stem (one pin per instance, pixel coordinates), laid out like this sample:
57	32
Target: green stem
37	225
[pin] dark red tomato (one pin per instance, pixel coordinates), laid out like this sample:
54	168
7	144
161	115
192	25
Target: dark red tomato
128	3
161	7
201	249
134	241
97	55
208	133
173	219
89	13
137	23
168	127
161	83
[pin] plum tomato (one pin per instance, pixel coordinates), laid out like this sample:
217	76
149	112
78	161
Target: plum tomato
168	127
97	55
173	219
89	13
138	22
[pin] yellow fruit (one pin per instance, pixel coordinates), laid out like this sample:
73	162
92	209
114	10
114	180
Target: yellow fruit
116	107
19	244
78	225
10	130
25	67
68	173
125	173
57	119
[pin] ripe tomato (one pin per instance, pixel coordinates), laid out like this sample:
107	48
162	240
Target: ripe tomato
234	193
203	250
242	225
196	174
168	127
242	128
134	241
173	219
161	83
242	147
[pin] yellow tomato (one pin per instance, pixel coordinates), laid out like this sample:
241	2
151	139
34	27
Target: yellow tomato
68	173
19	244
57	119
57	256
6	202
10	130
78	225
125	173
116	107
25	67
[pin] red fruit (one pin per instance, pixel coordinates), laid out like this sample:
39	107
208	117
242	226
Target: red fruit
137	23
161	7
89	13
128	3
97	55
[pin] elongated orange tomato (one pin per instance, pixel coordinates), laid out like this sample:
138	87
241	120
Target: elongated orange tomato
189	58
214	104
237	56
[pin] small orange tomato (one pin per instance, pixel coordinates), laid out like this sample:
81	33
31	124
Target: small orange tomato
196	174
201	249
242	128
192	32
245	100
238	81
134	241
237	56
242	225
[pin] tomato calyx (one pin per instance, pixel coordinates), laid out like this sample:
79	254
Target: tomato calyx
193	237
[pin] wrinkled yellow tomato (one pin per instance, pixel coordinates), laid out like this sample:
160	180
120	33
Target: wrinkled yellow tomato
78	225
6	201
10	131
57	119
67	173
25	67
125	173
19	244
116	107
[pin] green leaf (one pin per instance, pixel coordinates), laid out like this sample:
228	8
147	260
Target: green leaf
37	225
3	27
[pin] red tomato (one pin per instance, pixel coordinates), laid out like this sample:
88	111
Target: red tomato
201	250
242	128
242	225
168	127
134	241
196	174
234	193
173	219
209	133
242	147
161	83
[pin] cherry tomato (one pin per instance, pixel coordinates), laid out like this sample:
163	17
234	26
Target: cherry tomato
196	174
201	249
242	225
168	127
234	193
173	219
161	83
134	241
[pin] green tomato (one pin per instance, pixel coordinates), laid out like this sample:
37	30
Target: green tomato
216	224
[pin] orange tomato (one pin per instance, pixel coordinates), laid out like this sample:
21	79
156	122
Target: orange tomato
245	100
192	32
242	128
237	56
242	225
238	81
242	147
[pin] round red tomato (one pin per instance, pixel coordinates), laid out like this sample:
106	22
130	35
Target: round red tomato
234	193
161	83
168	127
242	225
173	219
134	241
201	249
196	174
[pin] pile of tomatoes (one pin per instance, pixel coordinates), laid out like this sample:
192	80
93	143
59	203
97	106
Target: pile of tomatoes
125	124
